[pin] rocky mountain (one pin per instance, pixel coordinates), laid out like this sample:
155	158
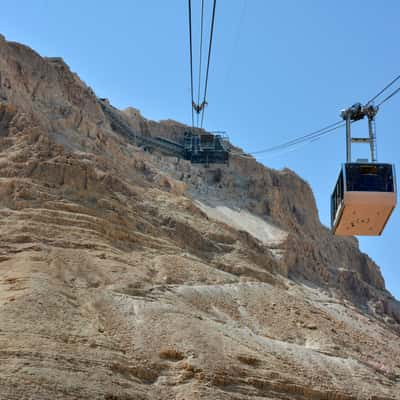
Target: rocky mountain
127	274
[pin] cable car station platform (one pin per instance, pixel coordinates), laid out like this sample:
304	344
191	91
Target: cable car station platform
198	148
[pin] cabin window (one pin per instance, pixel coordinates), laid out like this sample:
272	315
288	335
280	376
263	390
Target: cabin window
369	177
337	197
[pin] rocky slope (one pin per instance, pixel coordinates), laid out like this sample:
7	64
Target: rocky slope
131	275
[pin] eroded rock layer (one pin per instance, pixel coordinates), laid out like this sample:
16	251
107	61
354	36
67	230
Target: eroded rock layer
131	275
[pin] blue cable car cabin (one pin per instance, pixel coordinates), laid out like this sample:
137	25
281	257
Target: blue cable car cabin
363	199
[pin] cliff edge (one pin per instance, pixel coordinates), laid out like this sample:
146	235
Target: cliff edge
127	274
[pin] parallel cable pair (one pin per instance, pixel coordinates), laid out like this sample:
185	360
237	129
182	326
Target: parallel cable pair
389	97
384	90
199	107
311	137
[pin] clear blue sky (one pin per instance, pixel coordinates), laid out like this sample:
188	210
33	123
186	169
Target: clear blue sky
290	70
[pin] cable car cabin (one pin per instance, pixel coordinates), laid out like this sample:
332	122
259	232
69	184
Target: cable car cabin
363	199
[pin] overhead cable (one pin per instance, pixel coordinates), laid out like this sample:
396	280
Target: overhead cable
200	54
208	60
328	129
191	59
389	97
306	138
383	90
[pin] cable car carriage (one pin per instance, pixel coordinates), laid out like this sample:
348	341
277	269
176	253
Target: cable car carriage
365	193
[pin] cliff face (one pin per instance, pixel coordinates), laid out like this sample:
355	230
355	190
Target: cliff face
132	275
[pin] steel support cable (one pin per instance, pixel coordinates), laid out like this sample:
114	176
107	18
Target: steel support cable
324	131
305	138
278	153
384	89
200	55
309	137
389	97
191	60
293	146
208	60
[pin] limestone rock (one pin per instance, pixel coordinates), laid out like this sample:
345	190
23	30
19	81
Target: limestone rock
131	275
